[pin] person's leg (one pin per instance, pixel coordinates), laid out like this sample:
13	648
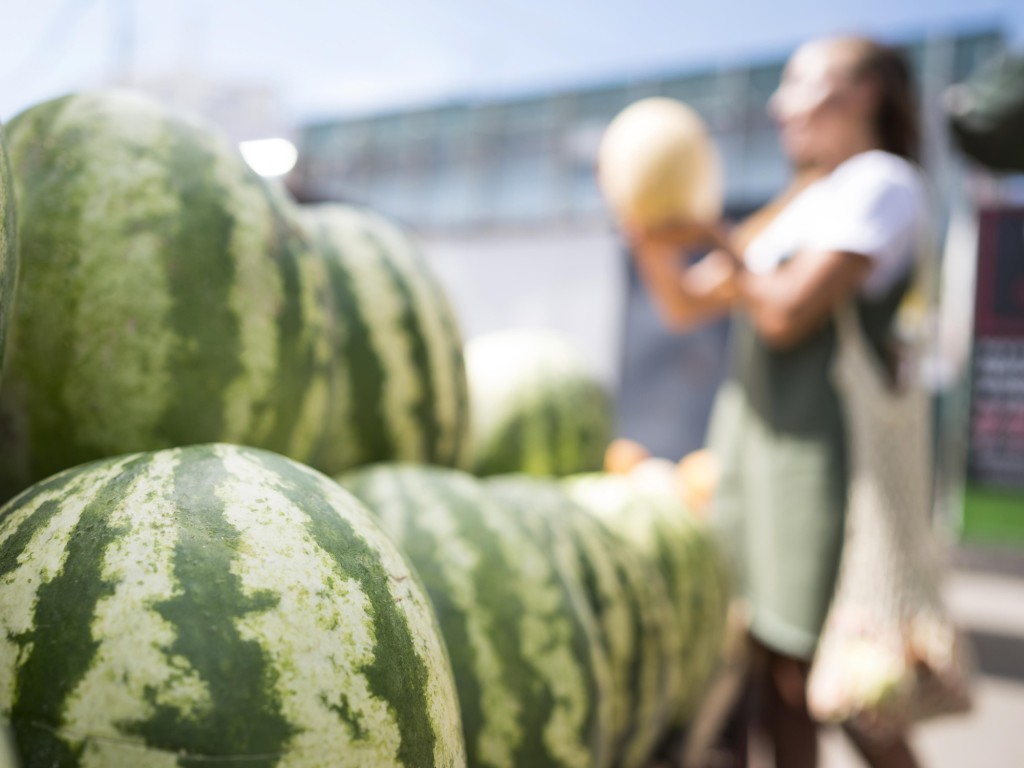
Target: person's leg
896	754
793	732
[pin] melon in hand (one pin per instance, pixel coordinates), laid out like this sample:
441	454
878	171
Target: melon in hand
658	165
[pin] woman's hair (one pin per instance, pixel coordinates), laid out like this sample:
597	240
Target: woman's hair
896	122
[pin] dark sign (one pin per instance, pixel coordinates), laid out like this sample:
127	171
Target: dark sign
996	456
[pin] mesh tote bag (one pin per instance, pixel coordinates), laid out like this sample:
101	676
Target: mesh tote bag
889	652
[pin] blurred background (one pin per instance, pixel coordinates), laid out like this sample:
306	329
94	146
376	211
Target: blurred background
477	126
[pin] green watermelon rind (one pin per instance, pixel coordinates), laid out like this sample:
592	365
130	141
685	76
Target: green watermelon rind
662	531
215	603
532	688
8	247
169	296
397	379
537	407
632	610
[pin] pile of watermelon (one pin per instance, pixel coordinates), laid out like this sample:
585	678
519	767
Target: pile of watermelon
256	511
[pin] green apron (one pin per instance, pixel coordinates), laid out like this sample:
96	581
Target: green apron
777	431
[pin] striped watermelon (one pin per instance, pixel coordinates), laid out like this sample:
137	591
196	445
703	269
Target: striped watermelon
397	390
162	301
532	681
536	406
169	296
629	599
8	246
214	604
643	510
658	480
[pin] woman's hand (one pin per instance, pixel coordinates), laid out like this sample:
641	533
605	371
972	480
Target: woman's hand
678	234
717	276
690	294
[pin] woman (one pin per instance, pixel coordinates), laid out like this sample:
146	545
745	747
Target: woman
846	230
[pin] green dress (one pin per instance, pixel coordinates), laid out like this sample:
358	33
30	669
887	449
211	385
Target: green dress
777	431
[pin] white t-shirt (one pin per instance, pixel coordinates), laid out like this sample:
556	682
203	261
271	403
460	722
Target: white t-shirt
873	204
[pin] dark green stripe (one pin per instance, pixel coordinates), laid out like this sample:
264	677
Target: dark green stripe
244	717
596	429
200	270
455	360
594	545
501	451
424	408
422	548
567	445
297	365
397	674
49	210
649	642
551	416
573	414
591	428
452	357
15	544
8	246
60	646
541	705
497	581
526	503
367	423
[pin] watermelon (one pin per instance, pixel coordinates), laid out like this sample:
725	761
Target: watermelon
215	604
644	512
398	383
8	246
536	406
160	300
711	587
533	682
630	603
169	296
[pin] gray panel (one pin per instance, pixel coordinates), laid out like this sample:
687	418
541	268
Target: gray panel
668	379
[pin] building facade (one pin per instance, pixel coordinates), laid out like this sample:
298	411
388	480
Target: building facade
503	195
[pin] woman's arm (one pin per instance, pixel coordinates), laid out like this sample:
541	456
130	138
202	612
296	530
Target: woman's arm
786	306
789	304
710	287
686	296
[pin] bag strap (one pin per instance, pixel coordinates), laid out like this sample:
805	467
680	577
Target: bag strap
854	354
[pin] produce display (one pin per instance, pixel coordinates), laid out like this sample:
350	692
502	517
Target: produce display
629	600
643	509
169	296
397	388
191	605
188	351
8	246
536	406
533	680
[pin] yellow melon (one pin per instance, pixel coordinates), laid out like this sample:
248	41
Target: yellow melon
657	164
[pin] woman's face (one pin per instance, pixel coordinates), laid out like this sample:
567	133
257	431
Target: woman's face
820	108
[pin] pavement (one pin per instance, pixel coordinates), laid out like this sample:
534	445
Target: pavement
986	595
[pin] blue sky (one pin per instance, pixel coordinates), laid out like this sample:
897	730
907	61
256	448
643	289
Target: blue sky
329	57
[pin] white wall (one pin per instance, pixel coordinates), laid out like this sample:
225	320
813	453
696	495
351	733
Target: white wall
570	280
